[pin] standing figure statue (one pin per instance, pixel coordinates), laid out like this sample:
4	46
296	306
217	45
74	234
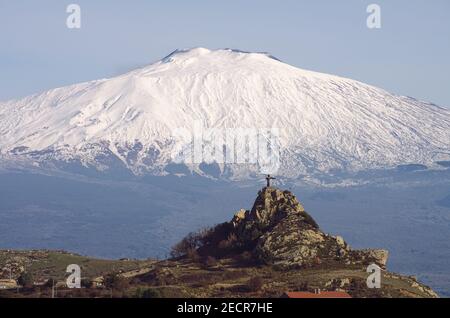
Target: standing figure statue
268	178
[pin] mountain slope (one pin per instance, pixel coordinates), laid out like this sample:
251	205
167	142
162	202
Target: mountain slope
325	122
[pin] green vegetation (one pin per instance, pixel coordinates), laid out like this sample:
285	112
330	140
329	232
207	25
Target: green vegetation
26	280
115	281
212	277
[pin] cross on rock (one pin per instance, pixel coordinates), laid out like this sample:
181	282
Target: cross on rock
268	178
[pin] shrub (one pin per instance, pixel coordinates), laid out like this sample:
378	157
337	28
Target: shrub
255	284
50	282
152	293
210	261
116	281
309	220
218	233
358	289
303	286
164	292
229	242
147	293
192	255
192	241
246	259
160	275
86	283
26	279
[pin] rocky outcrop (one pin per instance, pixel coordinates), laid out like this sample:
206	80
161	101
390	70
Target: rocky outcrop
378	257
13	263
278	231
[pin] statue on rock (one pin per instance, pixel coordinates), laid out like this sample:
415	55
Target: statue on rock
268	178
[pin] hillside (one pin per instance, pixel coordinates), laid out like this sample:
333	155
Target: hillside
263	252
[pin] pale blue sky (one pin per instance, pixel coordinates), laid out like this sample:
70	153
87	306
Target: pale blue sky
409	55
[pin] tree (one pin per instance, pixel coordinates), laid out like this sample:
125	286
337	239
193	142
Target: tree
192	241
50	282
86	283
115	281
26	279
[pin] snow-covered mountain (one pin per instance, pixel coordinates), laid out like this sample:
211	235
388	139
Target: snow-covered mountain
325	122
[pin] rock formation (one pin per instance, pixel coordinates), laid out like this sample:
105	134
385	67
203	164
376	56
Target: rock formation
278	231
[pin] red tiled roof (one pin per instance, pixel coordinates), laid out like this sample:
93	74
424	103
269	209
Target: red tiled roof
324	294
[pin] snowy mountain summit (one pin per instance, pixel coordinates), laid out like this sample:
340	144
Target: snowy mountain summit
324	122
